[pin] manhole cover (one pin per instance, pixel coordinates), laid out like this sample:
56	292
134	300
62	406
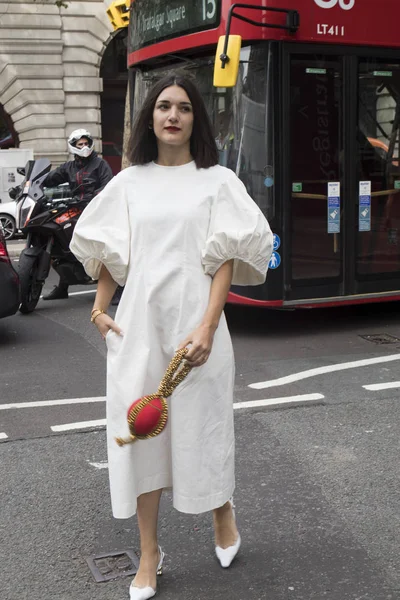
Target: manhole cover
112	565
381	338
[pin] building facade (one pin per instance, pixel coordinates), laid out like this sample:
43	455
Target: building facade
50	63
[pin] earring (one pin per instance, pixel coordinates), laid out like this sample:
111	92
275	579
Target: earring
150	126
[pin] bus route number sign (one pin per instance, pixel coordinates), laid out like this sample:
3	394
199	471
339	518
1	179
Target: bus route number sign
152	22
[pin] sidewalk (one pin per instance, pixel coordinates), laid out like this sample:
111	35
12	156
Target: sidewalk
15	247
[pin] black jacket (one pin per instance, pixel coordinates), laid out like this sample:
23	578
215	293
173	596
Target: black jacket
92	174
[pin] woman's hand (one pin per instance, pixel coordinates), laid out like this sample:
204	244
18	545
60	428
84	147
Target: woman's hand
104	323
199	344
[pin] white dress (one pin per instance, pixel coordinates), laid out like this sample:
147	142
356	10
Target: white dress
163	232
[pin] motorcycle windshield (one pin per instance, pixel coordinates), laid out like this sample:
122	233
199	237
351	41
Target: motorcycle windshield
40	169
28	169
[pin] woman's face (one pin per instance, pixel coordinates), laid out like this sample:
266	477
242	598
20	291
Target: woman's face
173	117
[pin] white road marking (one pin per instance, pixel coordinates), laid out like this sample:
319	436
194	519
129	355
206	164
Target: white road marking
80	293
40	403
81	425
236	406
100	465
278	401
322	371
382	386
3	436
66	402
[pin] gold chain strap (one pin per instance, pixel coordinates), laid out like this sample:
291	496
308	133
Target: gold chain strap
175	373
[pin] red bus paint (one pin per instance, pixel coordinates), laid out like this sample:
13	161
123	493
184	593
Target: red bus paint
316	303
366	22
237	299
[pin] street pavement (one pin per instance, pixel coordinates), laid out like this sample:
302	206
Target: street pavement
15	247
317	498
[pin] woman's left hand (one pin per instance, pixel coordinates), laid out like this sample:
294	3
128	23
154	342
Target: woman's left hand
199	344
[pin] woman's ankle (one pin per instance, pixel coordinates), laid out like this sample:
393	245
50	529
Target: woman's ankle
222	511
149	550
225	528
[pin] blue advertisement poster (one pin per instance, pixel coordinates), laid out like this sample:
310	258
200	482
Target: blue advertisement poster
334	207
364	210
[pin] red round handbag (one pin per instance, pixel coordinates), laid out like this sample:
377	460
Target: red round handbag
148	415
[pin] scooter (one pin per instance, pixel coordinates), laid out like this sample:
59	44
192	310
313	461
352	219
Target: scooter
49	226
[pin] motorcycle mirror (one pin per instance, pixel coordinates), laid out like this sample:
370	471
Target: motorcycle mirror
21	171
13	192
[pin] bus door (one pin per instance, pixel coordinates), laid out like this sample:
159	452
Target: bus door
377	251
314	180
342	222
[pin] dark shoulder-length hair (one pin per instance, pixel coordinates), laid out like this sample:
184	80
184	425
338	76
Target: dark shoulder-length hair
142	146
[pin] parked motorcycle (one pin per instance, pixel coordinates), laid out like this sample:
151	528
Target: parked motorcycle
49	226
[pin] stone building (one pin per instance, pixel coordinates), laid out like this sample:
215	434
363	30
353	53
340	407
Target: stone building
51	79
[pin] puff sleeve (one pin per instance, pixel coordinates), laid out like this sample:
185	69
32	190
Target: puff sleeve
102	233
238	230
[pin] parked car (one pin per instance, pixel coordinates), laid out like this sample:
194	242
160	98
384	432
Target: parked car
7	219
8	209
9	282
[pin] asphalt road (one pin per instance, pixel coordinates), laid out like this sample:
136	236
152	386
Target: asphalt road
317	461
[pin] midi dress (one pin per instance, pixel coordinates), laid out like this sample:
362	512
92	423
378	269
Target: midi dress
163	232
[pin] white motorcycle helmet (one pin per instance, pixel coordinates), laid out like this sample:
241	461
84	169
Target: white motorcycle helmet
75	137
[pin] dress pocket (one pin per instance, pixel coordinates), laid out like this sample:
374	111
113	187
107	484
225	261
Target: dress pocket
110	338
109	332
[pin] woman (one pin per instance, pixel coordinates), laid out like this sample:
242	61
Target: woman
176	229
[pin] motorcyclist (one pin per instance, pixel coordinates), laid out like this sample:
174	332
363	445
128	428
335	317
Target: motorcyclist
88	174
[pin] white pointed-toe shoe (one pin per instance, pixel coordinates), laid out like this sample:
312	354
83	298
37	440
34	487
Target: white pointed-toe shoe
226	555
137	593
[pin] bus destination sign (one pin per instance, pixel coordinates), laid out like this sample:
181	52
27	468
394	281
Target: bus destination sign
156	20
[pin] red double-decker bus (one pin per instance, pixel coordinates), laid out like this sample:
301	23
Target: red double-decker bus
311	126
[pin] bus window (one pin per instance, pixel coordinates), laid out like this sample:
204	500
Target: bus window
316	161
254	126
378	249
